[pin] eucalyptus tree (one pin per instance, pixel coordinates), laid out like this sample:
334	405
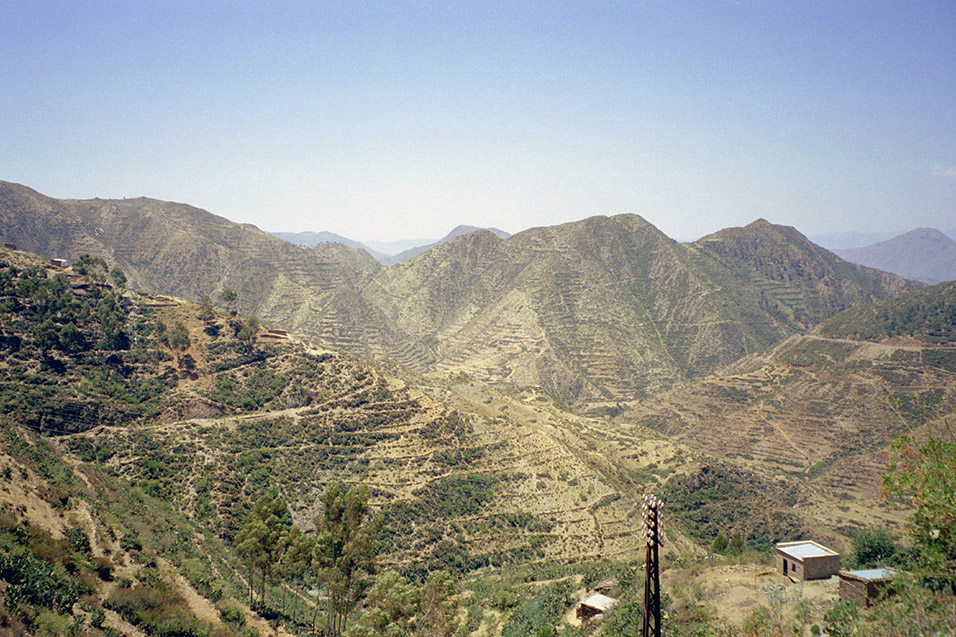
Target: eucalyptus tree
344	551
260	540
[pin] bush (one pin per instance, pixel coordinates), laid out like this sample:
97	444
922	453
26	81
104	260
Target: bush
230	612
873	547
179	337
157	610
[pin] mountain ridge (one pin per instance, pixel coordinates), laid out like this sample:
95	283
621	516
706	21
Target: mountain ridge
596	310
923	254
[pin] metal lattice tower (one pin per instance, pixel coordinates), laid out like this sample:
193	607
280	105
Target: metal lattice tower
652	532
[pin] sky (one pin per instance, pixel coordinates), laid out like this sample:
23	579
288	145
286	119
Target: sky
397	120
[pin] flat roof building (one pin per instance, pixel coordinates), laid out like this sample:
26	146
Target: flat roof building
595	604
865	587
806	560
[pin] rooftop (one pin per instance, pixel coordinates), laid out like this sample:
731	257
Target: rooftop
600	602
804	549
871	574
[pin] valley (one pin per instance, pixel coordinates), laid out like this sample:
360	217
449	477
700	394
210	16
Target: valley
505	401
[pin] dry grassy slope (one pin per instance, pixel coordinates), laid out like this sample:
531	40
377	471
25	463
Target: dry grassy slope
48	496
177	249
338	418
817	413
798	279
601	309
549	466
610	308
333	416
585	474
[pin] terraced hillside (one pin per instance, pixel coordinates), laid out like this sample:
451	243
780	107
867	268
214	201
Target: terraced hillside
186	414
207	411
610	308
592	312
799	281
176	249
820	410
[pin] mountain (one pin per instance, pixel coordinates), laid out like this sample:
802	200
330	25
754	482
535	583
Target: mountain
312	239
927	316
610	308
163	421
595	311
410	253
923	254
795	276
818	411
176	249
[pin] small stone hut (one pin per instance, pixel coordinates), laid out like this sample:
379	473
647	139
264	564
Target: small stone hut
595	604
806	560
865	587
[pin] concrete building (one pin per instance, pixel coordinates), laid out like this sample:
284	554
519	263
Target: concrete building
865	587
805	560
595	604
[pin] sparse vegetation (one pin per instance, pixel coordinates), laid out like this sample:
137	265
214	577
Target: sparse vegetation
182	438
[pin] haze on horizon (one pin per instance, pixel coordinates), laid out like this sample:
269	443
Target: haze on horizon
384	121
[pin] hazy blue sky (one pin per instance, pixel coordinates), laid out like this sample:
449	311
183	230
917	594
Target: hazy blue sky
382	120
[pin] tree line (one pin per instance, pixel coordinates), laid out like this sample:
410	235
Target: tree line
339	560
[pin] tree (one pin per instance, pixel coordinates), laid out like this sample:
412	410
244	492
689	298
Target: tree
247	333
720	544
179	337
296	559
206	312
71	339
229	297
344	551
119	277
259	541
390	607
873	547
924	474
439	606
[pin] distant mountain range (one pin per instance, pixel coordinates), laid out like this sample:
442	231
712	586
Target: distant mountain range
312	239
411	253
923	254
602	309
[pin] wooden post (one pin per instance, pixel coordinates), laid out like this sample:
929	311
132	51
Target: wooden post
651	626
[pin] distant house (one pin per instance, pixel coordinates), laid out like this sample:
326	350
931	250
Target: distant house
60	263
605	587
595	604
806	560
865	587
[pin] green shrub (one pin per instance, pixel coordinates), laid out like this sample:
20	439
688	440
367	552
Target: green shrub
872	547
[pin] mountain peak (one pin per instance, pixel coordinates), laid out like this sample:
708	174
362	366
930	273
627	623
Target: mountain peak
923	254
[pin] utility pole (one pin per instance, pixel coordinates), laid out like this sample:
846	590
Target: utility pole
653	526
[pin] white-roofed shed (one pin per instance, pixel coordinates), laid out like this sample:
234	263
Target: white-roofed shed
806	559
595	604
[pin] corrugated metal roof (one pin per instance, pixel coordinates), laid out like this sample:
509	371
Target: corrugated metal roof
600	602
805	549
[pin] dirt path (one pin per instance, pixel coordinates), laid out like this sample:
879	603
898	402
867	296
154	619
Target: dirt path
882	346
